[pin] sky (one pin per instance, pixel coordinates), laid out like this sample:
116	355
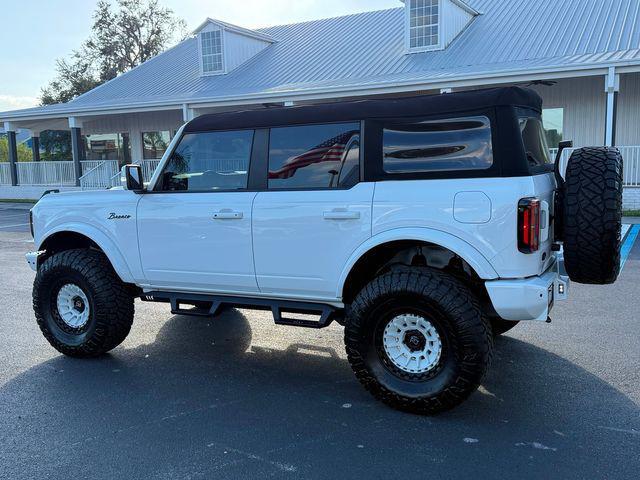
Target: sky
35	33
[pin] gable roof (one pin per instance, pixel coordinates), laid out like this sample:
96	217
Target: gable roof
236	29
365	52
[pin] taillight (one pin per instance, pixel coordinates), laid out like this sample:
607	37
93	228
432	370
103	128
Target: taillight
528	225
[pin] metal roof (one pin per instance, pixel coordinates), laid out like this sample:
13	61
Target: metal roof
366	51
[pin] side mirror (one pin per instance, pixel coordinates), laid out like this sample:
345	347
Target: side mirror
133	178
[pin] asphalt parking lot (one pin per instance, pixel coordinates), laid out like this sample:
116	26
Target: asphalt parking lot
238	397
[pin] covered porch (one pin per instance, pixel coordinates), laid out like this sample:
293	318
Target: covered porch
100	144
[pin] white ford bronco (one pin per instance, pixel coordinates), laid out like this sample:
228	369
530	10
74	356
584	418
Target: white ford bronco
424	226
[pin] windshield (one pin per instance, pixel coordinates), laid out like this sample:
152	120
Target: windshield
535	141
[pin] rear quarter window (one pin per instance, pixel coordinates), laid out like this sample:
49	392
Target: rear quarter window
534	139
438	145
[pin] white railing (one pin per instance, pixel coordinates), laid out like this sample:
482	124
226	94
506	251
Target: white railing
56	174
5	173
630	156
149	168
99	175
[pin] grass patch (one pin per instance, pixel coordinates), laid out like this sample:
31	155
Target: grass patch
17	200
631	213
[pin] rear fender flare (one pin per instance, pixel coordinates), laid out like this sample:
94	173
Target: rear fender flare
467	252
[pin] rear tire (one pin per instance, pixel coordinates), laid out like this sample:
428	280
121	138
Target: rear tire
81	305
417	340
593	215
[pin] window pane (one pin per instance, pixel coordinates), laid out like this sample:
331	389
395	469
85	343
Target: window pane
112	146
535	141
311	156
155	144
211	45
209	161
441	145
423	23
553	120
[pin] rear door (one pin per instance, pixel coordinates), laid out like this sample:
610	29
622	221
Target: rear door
315	211
195	227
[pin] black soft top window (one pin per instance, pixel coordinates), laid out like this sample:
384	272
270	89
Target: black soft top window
535	141
452	144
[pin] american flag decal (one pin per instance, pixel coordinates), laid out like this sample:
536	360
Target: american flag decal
330	150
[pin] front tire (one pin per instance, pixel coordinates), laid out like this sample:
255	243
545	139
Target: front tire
417	340
81	305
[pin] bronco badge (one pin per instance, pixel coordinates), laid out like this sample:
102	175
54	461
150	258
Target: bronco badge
115	216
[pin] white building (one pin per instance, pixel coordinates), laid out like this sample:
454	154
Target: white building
583	57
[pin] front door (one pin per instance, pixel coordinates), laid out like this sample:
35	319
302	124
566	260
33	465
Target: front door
194	228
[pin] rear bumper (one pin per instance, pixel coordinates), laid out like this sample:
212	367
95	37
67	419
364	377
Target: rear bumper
529	298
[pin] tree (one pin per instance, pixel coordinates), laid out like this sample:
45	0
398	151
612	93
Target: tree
55	145
24	152
123	36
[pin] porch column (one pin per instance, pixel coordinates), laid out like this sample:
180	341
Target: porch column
612	87
77	147
137	148
188	114
10	128
35	145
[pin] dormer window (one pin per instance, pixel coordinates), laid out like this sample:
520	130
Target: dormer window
212	52
424	24
223	47
434	24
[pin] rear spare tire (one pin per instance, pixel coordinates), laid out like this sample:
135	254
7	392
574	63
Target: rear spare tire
592	215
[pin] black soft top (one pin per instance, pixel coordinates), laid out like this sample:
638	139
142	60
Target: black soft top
369	109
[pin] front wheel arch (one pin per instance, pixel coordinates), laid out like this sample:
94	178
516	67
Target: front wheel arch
74	237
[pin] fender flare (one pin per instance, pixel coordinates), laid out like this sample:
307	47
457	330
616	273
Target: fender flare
466	251
106	244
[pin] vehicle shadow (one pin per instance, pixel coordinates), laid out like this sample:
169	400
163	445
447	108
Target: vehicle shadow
208	396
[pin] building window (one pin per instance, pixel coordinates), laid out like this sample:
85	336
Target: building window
113	146
209	161
211	45
155	144
424	24
436	146
553	121
314	156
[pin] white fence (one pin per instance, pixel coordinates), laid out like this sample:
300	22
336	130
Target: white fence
55	174
107	174
148	168
5	174
630	156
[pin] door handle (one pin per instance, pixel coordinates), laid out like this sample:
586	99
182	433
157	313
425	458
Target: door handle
341	215
227	215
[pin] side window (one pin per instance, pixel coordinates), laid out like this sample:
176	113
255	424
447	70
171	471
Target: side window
314	156
438	145
209	161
